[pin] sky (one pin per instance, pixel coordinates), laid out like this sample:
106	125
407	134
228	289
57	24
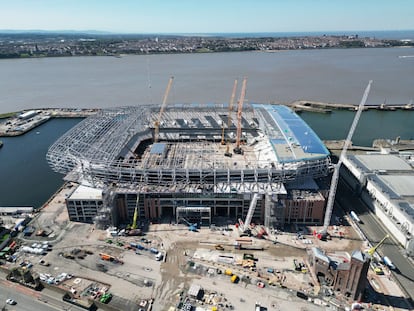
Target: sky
207	16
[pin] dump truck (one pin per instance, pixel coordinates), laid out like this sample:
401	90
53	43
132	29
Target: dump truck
110	258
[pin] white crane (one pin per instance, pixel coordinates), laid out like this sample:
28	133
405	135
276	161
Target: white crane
163	105
250	213
335	176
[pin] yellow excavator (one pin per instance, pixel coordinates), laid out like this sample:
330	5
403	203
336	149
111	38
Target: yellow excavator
133	229
372	250
374	265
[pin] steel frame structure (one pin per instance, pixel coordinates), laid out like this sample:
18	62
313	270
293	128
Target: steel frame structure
99	150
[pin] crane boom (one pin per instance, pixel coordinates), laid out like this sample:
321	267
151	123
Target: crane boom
238	150
372	250
135	217
335	176
163	105
233	94
250	212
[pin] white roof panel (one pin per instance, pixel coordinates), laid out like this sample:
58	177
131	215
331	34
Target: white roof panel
386	162
86	193
403	185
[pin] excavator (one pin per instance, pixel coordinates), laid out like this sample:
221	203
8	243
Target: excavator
191	227
371	251
133	230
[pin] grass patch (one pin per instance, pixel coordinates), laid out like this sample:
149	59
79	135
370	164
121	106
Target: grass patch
7	115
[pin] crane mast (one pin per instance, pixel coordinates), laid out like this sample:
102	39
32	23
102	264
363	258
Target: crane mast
233	95
237	149
163	105
335	176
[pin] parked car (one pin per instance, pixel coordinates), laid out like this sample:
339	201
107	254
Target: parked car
11	301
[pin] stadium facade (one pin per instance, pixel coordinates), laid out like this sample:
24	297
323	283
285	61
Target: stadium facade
198	160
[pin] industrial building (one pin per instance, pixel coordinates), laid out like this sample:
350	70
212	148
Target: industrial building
385	182
341	272
204	158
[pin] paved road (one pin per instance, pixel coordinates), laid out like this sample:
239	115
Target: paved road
374	230
29	300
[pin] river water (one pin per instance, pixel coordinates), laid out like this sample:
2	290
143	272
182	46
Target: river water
331	75
25	177
338	76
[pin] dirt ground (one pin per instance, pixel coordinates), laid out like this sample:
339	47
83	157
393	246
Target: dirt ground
142	277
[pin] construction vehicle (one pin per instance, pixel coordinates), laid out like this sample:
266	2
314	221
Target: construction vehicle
234	278
238	149
242	246
105	298
163	105
110	258
335	176
133	230
373	249
191	226
245	226
376	268
247	256
219	247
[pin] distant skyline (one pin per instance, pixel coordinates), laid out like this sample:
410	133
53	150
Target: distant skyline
212	16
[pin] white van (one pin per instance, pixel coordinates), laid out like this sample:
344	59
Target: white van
159	256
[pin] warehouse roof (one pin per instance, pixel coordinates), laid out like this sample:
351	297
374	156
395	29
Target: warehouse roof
86	193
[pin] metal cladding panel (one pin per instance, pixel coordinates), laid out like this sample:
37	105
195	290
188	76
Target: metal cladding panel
294	129
158	148
375	162
401	184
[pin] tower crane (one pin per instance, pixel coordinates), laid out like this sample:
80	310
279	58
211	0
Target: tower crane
233	95
335	176
163	105
237	149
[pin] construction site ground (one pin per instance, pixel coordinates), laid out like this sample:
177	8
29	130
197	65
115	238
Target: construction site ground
190	258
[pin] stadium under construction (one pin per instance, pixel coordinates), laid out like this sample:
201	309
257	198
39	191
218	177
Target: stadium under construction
194	161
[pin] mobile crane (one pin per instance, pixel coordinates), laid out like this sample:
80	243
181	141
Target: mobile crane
245	226
323	234
163	105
